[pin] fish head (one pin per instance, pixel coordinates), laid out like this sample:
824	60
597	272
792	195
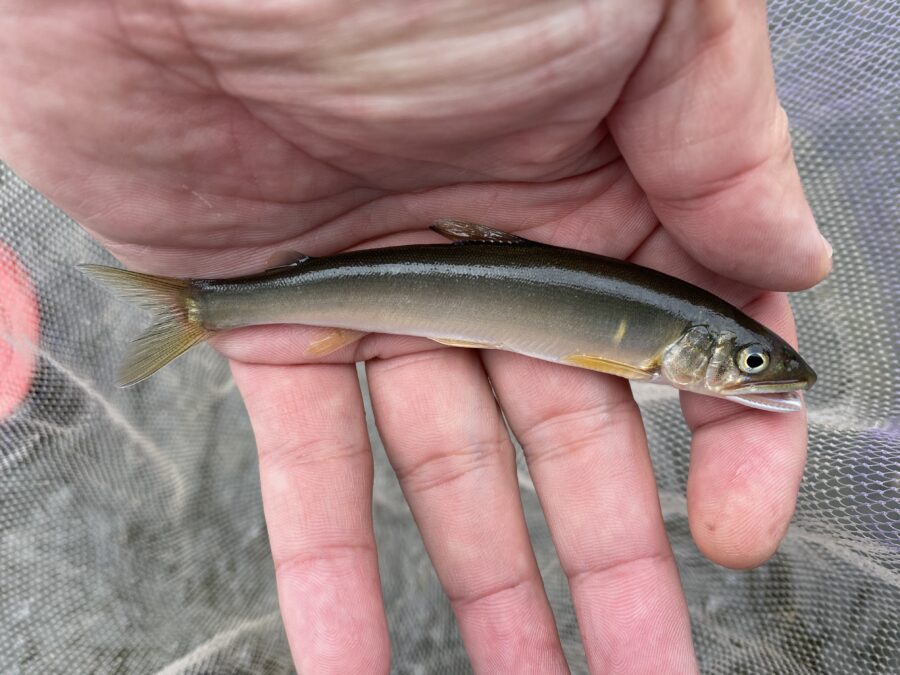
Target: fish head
753	367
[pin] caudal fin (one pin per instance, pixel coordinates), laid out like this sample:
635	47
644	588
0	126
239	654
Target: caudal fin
176	330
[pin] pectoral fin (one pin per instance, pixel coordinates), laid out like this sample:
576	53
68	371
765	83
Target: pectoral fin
467	344
608	366
461	230
332	341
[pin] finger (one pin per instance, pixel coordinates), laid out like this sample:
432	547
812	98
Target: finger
587	454
316	476
746	464
701	127
456	465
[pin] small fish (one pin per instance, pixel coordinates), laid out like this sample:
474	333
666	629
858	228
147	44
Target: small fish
489	290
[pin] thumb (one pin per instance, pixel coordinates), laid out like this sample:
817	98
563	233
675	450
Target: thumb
701	129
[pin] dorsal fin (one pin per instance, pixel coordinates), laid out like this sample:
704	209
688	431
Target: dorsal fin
461	230
281	260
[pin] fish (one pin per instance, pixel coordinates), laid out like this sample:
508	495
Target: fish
487	289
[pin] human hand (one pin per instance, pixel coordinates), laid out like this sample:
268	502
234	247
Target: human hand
194	139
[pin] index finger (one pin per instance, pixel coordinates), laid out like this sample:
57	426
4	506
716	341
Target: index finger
746	464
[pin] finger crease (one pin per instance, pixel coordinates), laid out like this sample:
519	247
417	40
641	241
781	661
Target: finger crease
661	559
313	452
598	416
446	467
711	42
490	594
323	553
695	199
587	442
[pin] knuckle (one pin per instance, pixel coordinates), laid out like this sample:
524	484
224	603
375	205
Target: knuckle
333	555
494	594
642	564
447	466
294	452
570	432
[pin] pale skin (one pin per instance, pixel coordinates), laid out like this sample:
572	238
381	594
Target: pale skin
198	137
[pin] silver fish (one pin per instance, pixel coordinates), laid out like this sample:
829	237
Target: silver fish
490	290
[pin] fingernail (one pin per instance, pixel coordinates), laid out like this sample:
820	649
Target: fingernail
828	248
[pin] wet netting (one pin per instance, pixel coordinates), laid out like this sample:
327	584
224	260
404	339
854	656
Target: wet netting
131	529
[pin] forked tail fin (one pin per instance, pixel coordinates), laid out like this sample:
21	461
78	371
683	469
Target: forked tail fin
176	330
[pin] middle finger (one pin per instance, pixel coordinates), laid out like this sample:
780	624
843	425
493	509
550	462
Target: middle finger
456	464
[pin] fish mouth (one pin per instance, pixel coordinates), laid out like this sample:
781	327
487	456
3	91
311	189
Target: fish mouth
786	401
774	396
771	387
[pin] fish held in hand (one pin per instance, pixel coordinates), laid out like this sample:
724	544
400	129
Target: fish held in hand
489	289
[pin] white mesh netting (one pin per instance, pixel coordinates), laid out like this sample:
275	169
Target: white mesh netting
131	530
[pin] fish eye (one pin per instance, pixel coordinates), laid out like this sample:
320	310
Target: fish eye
752	359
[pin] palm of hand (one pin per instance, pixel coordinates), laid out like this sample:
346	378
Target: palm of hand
203	138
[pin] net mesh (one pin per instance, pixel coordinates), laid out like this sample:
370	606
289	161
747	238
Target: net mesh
131	530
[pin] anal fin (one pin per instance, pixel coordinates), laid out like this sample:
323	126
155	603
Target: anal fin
333	340
466	344
607	366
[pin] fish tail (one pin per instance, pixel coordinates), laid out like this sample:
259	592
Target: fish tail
177	326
